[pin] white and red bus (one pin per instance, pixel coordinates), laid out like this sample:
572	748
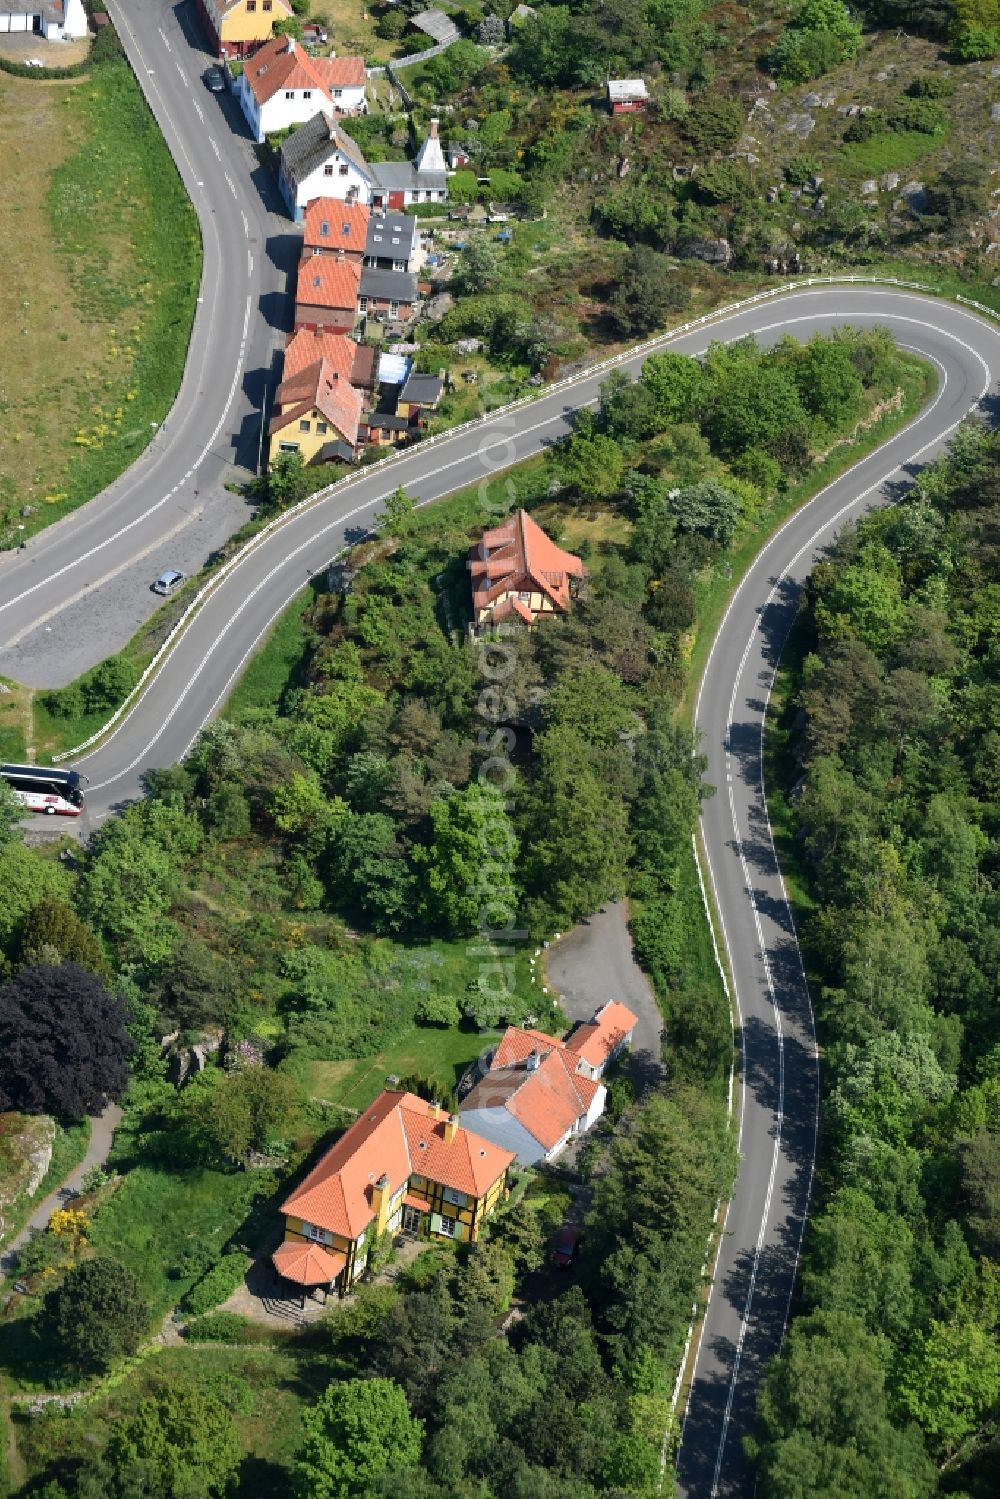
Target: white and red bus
44	789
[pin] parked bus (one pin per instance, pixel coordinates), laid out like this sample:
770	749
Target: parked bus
44	789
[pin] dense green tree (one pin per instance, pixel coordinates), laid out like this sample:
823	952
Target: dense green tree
25	880
229	1114
646	294
828	380
675	383
592	465
97	1314
11	812
713	123
358	1432
709	509
826	1428
472	859
179	1443
369	869
51	932
949	1382
288	481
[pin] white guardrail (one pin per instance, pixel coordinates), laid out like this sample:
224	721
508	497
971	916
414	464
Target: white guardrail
394	460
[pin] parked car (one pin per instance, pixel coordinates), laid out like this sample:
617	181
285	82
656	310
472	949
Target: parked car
566	1246
34	62
168	582
215	79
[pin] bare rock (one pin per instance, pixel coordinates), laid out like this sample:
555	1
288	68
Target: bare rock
717	252
812	101
891	181
995	114
869	187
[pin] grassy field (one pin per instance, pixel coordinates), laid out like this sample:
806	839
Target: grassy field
101	229
158	1217
438	1054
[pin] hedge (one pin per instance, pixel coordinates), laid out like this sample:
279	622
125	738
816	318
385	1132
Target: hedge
219	1284
105	47
220	1327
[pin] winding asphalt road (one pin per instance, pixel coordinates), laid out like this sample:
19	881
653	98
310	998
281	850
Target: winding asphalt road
170	508
777	1101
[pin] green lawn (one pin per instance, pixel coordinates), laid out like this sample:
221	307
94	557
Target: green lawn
435	1053
272	668
157	1217
890	151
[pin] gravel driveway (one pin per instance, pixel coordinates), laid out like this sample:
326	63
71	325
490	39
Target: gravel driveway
594	963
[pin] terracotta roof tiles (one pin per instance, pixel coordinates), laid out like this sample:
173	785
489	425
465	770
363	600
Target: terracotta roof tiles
399	1135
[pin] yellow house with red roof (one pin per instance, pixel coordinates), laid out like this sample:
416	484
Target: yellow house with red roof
238	27
403	1165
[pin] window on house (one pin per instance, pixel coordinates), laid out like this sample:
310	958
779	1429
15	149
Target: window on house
251	5
448	1227
321	428
324	228
288	447
266	5
393	308
399	265
525	598
345	229
307	93
289	93
304	425
328	170
338	93
317	1235
458	1199
362	304
343	171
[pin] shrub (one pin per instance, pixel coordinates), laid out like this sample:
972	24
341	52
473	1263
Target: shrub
714	123
218	1285
932	86
219	1327
864	127
919	114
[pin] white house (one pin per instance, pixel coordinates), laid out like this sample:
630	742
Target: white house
532	1097
320	160
282	86
54	20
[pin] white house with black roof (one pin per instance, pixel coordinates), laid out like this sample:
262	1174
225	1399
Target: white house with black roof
320	160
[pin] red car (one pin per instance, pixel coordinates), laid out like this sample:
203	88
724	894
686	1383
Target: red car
567	1246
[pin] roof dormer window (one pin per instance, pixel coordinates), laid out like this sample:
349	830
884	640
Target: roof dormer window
324	228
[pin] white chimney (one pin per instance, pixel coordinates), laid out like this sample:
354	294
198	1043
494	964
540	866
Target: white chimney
434	129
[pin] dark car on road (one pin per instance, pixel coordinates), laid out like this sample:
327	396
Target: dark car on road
215	79
566	1246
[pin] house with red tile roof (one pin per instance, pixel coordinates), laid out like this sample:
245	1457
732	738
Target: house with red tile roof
306	346
317	412
536	1092
404	1165
519	573
326	293
335	228
597	1044
282	86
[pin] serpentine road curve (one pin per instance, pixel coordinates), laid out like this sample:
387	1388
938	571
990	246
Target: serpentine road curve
777	1101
